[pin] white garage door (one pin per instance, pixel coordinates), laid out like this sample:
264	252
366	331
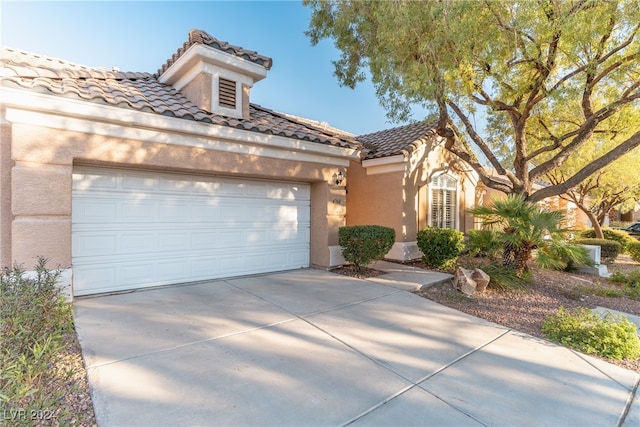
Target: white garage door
135	229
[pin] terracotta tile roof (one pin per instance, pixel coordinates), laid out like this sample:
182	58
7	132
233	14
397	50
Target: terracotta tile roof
143	92
201	37
395	141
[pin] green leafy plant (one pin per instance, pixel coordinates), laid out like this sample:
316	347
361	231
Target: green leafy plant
633	249
483	243
602	291
362	244
34	318
560	255
524	227
505	278
612	336
440	247
630	283
610	234
609	249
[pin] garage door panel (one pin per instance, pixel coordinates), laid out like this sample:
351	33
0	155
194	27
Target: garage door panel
138	229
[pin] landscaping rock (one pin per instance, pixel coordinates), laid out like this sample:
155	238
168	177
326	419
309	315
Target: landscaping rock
481	278
463	281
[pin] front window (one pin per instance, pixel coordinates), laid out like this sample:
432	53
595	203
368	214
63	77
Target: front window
444	192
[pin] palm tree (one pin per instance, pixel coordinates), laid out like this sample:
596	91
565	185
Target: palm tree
524	227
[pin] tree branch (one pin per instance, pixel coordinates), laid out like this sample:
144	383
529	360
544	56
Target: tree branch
594	166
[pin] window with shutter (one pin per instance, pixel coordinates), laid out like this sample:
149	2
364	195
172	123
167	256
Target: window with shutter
226	93
444	189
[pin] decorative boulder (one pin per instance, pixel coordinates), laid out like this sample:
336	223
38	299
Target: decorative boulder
481	278
463	281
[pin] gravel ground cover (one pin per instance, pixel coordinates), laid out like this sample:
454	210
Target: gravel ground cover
525	311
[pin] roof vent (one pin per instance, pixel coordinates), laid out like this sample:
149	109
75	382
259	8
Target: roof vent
226	93
215	75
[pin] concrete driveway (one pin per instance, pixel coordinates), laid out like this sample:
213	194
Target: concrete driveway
310	347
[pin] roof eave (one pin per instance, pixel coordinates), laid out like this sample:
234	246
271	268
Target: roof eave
61	112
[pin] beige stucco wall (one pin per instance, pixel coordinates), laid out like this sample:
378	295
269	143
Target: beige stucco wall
5	192
375	199
37	165
400	199
435	160
199	91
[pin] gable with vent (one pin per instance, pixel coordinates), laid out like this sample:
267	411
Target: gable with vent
218	81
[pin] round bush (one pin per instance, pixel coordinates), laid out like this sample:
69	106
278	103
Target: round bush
610	234
440	247
362	244
609	249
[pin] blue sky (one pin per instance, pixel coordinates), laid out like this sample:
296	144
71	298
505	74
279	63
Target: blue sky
141	36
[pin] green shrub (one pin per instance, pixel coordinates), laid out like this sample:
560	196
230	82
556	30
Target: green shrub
362	244
609	249
34	318
563	256
483	243
610	234
633	249
440	247
630	283
611	336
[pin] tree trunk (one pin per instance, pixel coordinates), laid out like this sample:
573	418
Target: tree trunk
596	227
595	223
509	255
592	217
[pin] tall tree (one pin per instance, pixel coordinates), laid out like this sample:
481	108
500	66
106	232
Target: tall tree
518	62
615	186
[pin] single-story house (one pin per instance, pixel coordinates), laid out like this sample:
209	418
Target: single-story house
407	180
129	180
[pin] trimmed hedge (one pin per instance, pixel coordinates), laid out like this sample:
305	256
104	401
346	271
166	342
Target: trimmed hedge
633	249
610	234
440	247
609	249
362	244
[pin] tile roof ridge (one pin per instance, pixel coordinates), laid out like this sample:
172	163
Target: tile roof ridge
430	126
312	124
202	37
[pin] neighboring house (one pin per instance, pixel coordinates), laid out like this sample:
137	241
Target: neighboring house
130	180
632	215
407	180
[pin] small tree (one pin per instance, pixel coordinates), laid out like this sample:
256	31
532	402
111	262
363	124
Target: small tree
362	244
525	227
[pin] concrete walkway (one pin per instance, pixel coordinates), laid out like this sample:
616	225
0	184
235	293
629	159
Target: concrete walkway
310	347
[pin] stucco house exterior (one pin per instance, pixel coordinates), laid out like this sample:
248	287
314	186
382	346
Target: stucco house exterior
407	180
130	180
